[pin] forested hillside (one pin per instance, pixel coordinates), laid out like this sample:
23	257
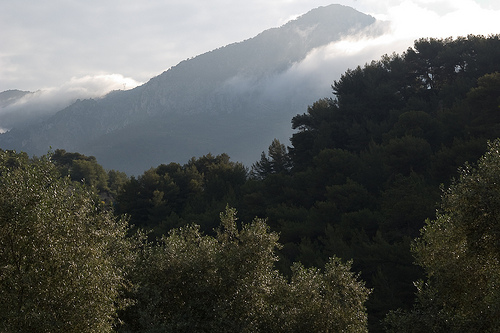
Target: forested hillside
366	173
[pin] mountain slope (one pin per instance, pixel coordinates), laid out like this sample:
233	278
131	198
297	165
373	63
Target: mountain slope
234	99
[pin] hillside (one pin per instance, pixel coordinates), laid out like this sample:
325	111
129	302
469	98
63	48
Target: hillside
234	99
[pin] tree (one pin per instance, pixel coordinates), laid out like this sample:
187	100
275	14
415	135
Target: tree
116	181
61	255
81	168
191	282
277	161
461	255
172	195
484	104
319	301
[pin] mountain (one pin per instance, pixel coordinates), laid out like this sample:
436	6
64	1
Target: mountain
234	99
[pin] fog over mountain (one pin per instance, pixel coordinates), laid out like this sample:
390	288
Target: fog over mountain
22	108
8	118
234	99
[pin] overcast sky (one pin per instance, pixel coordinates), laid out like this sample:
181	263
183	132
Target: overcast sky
96	45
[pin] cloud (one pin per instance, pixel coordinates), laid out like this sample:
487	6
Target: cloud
395	31
403	22
97	85
444	18
45	102
399	24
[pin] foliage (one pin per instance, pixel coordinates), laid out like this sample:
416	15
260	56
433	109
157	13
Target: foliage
459	251
277	161
62	256
192	282
85	169
81	168
315	301
170	196
116	181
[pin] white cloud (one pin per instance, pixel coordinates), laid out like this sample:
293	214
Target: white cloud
405	21
49	100
97	85
445	18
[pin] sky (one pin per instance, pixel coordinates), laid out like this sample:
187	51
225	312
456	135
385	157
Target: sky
85	48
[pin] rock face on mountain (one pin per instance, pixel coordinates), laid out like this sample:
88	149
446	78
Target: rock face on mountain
234	99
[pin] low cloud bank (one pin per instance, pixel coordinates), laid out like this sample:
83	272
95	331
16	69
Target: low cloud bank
394	32
45	102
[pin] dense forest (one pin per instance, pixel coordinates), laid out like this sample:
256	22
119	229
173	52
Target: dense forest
381	215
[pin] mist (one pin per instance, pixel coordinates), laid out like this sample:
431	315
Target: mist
36	106
394	32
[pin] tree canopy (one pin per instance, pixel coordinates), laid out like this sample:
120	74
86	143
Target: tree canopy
459	251
62	256
191	282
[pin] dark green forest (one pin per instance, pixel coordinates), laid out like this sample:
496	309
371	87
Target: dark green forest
380	215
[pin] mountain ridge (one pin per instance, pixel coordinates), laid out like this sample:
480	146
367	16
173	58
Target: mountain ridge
209	94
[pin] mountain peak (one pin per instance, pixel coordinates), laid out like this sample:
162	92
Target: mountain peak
327	15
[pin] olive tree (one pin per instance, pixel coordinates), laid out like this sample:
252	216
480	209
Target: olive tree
191	282
460	252
61	253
